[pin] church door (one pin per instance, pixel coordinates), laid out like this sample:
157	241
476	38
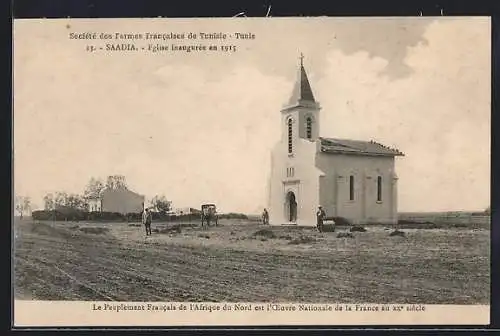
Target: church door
291	207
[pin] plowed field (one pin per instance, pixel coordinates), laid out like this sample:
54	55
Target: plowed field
69	261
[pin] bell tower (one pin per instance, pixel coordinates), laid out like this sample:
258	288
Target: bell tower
300	115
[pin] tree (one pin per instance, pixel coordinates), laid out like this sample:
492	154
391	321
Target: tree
23	205
48	202
161	204
116	182
93	189
27	204
60	199
76	202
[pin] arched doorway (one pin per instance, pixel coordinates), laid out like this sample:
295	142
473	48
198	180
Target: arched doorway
291	207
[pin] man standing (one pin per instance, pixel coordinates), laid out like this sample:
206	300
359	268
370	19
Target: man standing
320	217
146	220
265	217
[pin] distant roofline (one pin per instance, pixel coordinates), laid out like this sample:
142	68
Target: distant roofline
124	189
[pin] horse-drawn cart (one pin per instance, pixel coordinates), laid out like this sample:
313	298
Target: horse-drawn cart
209	214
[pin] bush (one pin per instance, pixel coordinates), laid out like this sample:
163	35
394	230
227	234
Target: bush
340	221
104	216
265	233
328	228
408	224
345	235
59	215
302	240
134	217
171	229
397	233
79	215
94	230
42	215
357	228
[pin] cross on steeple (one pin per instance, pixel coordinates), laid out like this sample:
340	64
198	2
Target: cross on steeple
302	91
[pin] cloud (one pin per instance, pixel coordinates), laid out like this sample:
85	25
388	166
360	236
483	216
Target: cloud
439	116
386	38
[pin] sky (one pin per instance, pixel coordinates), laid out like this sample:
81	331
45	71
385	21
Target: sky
199	127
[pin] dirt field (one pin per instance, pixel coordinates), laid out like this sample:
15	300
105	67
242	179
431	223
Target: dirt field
76	261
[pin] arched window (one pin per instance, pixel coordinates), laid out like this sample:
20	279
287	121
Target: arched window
351	188
290	145
309	127
379	189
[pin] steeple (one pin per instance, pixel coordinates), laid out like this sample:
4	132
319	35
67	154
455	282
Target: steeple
301	114
302	92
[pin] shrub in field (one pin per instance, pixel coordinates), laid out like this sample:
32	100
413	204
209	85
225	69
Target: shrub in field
411	224
341	221
328	228
98	216
204	236
94	230
171	229
397	233
302	240
59	215
286	237
41	215
345	235
68	214
459	225
265	233
133	217
357	228
425	225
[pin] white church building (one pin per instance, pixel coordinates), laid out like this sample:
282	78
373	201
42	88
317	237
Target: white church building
352	179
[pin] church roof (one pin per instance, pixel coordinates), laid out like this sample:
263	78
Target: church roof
357	147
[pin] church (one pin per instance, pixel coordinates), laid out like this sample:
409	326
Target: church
353	179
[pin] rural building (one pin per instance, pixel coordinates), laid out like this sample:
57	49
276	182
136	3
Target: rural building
186	211
118	200
353	179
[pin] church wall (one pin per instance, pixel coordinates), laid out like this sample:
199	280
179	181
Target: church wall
303	183
334	190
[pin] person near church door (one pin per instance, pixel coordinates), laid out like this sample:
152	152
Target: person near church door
320	217
265	217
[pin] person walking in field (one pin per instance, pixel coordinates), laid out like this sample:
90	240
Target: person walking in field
320	217
265	217
146	220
